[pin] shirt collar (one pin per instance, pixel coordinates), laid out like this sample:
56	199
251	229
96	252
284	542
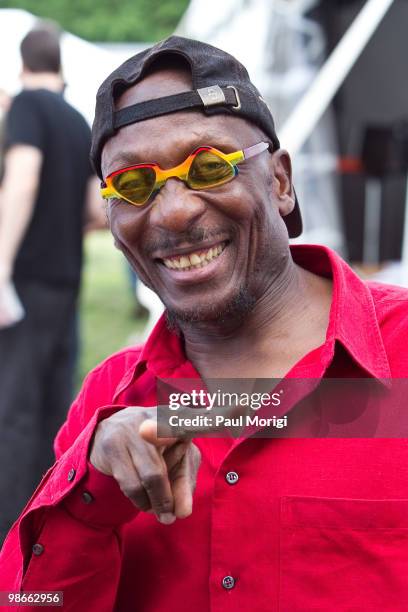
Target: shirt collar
353	318
353	323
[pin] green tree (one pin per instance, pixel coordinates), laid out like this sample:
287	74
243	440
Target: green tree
109	20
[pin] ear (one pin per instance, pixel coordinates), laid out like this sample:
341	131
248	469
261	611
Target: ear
282	181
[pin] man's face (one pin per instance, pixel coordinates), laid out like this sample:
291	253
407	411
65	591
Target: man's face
237	226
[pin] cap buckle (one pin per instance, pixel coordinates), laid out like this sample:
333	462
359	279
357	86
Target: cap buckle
238	104
211	96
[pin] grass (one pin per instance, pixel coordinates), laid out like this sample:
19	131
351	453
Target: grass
107	303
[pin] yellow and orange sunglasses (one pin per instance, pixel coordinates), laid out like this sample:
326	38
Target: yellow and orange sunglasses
204	168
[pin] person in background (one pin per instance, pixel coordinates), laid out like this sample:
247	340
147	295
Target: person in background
5	102
49	194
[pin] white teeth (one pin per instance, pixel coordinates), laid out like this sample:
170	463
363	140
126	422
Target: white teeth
194	260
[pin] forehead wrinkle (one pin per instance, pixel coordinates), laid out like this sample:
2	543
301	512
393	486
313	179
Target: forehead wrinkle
144	142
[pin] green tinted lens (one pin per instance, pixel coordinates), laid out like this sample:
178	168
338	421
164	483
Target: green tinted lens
135	185
209	170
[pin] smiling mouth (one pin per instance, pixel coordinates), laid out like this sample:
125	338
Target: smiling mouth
195	259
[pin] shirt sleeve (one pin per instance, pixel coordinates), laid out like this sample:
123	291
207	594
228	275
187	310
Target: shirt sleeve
99	502
68	537
25	122
69	532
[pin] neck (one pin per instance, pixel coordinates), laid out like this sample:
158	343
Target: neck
43	80
288	321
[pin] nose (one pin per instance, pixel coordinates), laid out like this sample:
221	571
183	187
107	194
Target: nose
176	207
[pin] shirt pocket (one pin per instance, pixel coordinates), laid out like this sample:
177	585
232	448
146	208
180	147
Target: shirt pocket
343	555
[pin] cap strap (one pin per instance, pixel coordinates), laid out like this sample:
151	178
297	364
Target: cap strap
226	96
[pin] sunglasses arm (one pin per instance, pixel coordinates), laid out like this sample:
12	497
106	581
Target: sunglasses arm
106	192
255	149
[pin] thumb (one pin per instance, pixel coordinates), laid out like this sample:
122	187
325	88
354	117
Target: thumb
148	431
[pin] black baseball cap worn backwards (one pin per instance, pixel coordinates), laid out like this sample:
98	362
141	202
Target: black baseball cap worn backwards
221	84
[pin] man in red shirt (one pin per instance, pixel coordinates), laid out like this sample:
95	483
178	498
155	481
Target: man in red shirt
124	520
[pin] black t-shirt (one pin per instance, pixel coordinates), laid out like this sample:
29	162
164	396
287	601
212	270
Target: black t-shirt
51	251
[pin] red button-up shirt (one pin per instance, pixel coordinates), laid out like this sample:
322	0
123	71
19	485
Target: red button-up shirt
305	524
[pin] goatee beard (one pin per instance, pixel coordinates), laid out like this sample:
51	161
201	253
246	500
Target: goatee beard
235	310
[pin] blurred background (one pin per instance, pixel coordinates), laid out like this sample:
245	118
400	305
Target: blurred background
334	75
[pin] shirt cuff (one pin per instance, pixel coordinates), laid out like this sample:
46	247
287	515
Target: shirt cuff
98	501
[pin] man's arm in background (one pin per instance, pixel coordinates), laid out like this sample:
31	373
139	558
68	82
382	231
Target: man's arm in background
19	190
95	208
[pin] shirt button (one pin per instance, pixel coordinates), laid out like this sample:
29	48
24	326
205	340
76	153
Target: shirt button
87	497
228	582
71	475
232	478
38	549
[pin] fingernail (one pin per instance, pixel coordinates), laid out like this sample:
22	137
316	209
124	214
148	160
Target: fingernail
166	518
185	511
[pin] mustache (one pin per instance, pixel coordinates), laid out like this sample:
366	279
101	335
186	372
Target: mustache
195	235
